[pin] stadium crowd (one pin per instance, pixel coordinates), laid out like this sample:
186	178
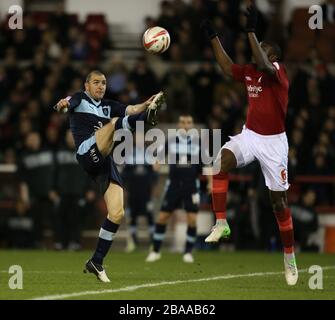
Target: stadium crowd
50	57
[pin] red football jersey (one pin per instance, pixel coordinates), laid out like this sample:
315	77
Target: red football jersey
267	95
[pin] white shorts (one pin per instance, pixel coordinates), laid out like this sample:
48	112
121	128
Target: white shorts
270	151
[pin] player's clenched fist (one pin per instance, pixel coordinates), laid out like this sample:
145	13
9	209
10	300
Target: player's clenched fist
63	105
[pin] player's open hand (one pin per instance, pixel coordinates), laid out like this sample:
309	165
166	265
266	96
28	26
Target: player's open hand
208	28
252	15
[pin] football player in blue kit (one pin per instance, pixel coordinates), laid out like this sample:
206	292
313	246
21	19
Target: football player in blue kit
93	122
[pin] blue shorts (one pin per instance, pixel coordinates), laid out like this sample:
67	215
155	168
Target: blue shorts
102	170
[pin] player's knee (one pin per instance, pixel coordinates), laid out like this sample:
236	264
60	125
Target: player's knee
163	218
116	215
192	220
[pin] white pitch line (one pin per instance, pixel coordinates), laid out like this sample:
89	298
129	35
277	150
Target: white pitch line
164	283
46	271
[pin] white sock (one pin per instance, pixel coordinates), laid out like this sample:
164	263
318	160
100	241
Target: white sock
221	222
289	256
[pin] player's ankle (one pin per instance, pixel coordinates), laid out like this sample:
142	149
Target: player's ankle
289	250
221	221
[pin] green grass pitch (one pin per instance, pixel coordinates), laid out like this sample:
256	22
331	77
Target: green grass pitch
214	275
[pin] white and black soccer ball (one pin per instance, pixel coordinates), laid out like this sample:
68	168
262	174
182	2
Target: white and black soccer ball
156	40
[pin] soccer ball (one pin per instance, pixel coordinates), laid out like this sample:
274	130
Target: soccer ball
156	40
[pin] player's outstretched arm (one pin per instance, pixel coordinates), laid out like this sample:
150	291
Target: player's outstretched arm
138	108
221	55
262	60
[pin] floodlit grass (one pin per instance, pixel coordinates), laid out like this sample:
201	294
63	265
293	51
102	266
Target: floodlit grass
254	275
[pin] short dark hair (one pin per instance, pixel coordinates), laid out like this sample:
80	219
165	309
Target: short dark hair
185	115
275	49
94	72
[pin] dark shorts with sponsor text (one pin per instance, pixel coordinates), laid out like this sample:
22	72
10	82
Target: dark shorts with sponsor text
180	195
102	170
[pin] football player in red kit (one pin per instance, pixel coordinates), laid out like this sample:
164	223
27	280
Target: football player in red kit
263	137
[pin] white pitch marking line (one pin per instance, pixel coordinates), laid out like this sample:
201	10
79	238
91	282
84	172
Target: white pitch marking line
46	271
164	283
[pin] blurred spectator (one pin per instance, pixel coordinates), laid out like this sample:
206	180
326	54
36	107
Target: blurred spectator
168	19
187	46
117	78
298	89
321	166
11	67
328	9
25	127
9	156
144	78
225	34
305	222
203	82
180	7
178	90
78	43
32	31
52	138
40	69
326	84
20	228
50	45
66	70
175	53
71	186
300	148
20	42
60	21
36	170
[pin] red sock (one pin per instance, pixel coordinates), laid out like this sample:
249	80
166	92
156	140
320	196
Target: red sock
219	195
284	220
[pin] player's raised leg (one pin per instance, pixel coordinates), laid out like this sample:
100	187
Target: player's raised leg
105	135
191	237
284	219
114	202
158	237
219	196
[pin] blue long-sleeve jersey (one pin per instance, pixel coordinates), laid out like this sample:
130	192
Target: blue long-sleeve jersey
88	115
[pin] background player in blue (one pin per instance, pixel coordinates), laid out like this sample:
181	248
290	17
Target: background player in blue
182	190
93	121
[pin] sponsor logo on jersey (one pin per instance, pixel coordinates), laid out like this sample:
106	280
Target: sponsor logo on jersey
254	91
94	156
